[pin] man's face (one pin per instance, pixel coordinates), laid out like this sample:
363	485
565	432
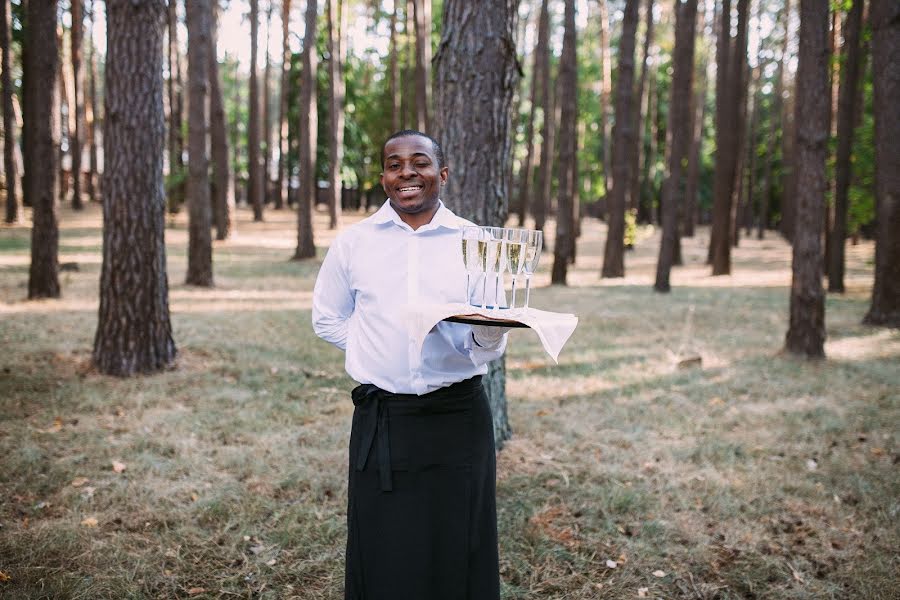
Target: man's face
411	177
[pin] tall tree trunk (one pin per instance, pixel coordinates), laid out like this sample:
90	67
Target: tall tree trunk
222	196
540	203
66	122
9	117
679	135
134	334
526	174
422	15
843	168
806	334
337	26
476	66
393	70
91	113
42	130
637	147
788	139
730	57
306	247
283	176
605	125
774	116
76	36
623	134
255	188
178	183
199	270
265	174
885	307
563	249
698	121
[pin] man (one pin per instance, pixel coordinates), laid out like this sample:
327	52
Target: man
421	513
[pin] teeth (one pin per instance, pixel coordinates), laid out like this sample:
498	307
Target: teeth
407	189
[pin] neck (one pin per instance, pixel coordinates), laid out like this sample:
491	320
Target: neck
416	220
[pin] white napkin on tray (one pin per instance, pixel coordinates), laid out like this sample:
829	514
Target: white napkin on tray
553	329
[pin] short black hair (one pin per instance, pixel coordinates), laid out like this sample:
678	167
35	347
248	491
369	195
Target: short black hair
435	146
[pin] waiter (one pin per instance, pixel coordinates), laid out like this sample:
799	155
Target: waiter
421	514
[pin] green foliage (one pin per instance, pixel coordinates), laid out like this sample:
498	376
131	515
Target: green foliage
861	211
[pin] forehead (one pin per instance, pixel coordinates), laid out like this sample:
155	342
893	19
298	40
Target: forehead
409	146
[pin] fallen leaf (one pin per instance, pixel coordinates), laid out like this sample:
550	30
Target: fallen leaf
79	481
56	427
271	562
4	576
88	491
612	564
257	549
118	467
273	370
89	522
877	451
196	591
194	496
642	592
716	401
811	464
659	573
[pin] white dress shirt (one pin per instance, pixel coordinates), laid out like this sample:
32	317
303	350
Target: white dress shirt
372	272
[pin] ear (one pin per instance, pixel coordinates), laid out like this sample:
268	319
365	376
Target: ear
445	171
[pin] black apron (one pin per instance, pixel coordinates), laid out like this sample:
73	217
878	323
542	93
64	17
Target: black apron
421	514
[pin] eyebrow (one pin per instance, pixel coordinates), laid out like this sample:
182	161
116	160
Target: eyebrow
415	154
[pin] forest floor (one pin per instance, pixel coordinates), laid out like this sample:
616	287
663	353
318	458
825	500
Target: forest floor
751	475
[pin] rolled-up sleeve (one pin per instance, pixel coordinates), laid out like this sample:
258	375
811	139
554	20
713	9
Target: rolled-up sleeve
333	301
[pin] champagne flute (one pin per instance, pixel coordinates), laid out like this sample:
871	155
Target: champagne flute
533	243
516	241
493	247
474	265
499	234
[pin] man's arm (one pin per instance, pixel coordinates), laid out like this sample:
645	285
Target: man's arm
489	343
333	302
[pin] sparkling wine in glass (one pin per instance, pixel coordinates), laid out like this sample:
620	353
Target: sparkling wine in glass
533	243
496	259
516	242
474	263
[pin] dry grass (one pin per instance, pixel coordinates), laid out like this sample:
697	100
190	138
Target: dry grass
754	476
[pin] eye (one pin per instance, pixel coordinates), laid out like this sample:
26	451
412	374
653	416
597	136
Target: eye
393	165
422	165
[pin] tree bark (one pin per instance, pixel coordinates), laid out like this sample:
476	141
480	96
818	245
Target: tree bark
393	70
637	147
306	247
540	202
254	185
91	115
283	179
698	121
730	58
134	334
774	116
199	271
9	117
623	134
222	195
422	16
885	307
177	183
76	37
476	66
526	174
679	134
605	125
42	130
337	26
845	125
265	169
806	334
788	137
563	248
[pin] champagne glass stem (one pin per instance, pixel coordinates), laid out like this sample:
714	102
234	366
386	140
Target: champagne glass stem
467	287
484	292
527	290
512	302
497	290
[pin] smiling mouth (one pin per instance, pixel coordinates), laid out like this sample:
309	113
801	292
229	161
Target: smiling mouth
409	189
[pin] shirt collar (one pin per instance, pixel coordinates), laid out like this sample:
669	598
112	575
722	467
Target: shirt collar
444	217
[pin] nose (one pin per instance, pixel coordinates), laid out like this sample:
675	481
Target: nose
407	170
